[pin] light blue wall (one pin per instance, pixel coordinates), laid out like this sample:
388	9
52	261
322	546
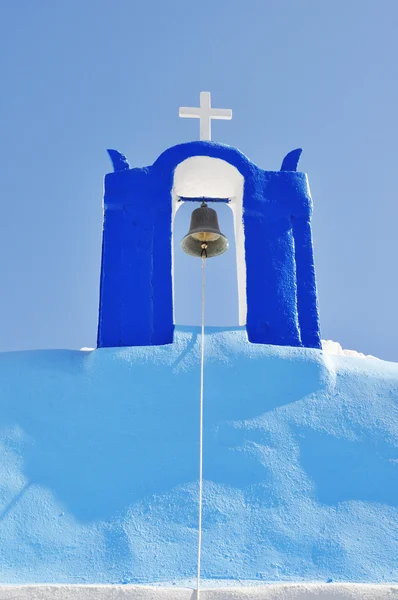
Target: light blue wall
99	464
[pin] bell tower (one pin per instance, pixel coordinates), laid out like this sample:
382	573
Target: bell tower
272	216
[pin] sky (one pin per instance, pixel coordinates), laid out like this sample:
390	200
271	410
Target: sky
80	77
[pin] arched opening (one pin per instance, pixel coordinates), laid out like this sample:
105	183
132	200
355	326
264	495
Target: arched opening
198	177
221	277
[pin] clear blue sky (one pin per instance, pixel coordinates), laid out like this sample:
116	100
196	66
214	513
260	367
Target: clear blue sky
79	77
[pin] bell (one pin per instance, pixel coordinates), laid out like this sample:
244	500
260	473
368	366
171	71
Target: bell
204	238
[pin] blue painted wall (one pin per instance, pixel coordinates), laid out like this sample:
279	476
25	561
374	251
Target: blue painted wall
136	284
99	464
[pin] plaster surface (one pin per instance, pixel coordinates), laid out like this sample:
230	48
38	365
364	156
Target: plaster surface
99	464
263	592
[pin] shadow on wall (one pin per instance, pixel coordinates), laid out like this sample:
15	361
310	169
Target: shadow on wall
106	429
344	470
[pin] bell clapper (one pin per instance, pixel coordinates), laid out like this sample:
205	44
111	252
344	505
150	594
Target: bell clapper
204	250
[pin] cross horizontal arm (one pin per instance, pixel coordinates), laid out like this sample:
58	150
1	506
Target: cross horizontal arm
221	113
189	113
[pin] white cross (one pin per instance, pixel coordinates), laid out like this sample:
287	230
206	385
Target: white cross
205	113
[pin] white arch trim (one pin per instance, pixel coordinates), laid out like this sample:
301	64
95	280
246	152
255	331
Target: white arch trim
204	176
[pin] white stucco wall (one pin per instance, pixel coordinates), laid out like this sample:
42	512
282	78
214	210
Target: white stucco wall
315	591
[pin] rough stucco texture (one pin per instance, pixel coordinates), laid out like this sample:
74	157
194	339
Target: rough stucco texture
99	464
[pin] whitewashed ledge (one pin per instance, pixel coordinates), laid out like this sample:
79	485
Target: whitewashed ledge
291	591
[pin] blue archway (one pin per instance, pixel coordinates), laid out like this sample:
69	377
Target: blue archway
136	300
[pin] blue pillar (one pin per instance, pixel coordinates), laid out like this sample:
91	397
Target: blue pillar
136	287
307	300
271	277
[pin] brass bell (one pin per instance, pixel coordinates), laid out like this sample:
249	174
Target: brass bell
204	238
